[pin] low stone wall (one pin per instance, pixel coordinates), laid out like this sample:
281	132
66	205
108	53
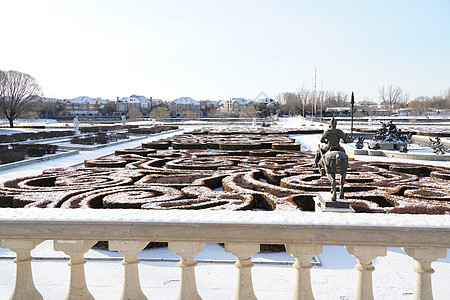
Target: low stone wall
366	237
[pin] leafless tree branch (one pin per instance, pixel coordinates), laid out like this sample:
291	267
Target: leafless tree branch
18	94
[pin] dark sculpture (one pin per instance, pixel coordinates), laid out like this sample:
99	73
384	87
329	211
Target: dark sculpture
331	158
388	137
360	143
437	146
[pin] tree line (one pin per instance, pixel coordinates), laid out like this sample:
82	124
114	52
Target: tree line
20	94
306	102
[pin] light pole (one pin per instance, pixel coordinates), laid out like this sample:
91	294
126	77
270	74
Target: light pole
303	102
352	102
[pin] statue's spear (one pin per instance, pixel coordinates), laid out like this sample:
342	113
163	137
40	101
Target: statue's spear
352	104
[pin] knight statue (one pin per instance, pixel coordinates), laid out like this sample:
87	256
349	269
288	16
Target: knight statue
330	142
331	158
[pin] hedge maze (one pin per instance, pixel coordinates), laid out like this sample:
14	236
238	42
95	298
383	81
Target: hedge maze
239	169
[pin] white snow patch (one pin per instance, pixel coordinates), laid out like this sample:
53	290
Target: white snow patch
226	217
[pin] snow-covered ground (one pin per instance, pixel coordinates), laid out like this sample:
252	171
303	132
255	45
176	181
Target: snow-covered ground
273	275
394	277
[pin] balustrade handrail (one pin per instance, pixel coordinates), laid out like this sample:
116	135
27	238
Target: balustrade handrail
225	226
365	236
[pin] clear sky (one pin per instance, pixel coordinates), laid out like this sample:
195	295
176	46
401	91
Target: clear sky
221	49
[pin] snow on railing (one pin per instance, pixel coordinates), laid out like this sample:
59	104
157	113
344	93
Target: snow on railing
365	236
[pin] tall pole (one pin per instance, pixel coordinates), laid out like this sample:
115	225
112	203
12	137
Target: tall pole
321	101
352	105
313	105
303	103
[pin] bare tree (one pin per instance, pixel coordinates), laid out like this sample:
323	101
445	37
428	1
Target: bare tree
49	108
447	94
390	96
290	102
419	106
248	111
160	112
134	114
18	94
341	98
109	108
303	97
190	114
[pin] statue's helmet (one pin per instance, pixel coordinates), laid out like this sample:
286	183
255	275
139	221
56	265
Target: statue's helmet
333	122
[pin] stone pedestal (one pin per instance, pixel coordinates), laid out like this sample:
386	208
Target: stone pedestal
325	204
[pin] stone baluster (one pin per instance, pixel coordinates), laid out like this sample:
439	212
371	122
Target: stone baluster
303	255
424	256
131	284
243	251
24	287
187	251
76	250
364	255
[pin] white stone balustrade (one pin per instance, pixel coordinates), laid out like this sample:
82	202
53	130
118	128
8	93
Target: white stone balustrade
187	251
303	255
243	251
425	238
131	283
76	250
424	257
364	255
24	287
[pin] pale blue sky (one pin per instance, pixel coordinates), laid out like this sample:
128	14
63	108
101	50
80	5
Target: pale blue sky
222	49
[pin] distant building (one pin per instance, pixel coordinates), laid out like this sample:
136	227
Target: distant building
84	106
134	101
146	104
234	106
126	103
266	106
185	107
371	108
268	102
209	108
338	111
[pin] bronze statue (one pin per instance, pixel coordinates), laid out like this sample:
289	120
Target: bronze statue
437	146
331	157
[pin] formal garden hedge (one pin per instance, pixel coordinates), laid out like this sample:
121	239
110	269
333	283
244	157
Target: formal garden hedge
18	152
98	138
152	130
24	136
259	177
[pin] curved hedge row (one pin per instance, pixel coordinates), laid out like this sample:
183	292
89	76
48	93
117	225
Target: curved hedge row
245	179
